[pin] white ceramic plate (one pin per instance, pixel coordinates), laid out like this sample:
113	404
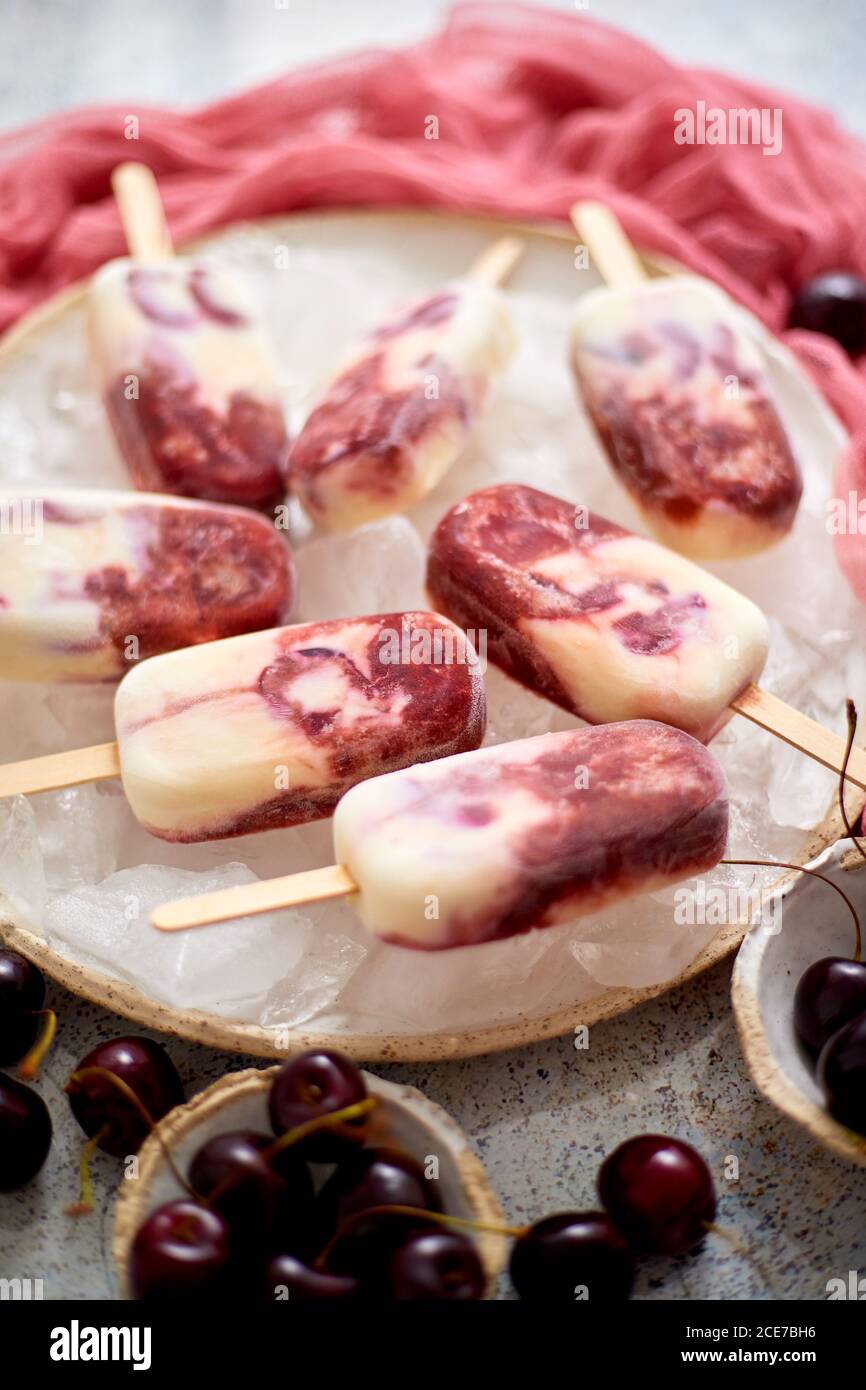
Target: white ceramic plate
71	863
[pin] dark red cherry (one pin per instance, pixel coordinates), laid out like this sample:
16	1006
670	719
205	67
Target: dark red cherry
259	1204
363	1250
25	1134
22	995
436	1266
659	1191
842	1074
99	1105
379	1177
830	993
834	303
310	1086
288	1279
573	1256
183	1251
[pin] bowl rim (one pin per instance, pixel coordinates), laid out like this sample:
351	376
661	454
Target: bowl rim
229	1035
182	1121
764	1069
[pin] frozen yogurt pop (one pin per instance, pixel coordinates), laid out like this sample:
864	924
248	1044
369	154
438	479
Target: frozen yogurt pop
509	837
91	582
188	377
609	625
678	395
603	622
403	405
270	729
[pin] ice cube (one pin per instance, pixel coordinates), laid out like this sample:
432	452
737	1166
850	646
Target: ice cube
376	569
232	970
515	712
22	871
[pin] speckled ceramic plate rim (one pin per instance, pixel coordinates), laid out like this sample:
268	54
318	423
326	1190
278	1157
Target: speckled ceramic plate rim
133	1197
233	1036
765	1071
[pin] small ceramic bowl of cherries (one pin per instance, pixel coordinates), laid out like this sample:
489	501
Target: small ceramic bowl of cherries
311	1181
317	1181
799	995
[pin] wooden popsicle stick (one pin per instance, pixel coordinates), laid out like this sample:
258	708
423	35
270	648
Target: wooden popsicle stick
249	899
601	231
141	212
801	732
56	770
497	261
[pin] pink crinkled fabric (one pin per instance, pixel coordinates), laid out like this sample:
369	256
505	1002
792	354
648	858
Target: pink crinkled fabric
535	108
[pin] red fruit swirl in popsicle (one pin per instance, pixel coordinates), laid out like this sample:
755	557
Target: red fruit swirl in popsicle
271	729
532	833
189	382
91	582
398	413
679	397
602	622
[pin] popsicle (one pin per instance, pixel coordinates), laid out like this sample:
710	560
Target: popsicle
678	394
603	622
188	377
607	624
492	843
270	729
91	582
403	405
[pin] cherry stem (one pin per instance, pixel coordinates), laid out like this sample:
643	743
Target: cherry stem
29	1068
851	715
742	1249
334	1117
138	1104
84	1205
813	873
285	1141
438	1218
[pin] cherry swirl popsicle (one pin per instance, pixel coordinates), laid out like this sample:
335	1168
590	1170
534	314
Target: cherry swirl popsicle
270	729
611	626
93	581
603	622
402	407
508	838
188	377
678	396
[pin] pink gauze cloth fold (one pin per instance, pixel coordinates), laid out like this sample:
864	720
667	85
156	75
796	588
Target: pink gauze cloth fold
535	108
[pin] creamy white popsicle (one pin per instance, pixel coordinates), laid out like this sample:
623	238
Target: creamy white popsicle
520	835
603	622
189	381
402	407
270	729
91	582
679	396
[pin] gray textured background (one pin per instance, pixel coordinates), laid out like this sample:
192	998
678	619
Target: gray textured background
58	53
542	1118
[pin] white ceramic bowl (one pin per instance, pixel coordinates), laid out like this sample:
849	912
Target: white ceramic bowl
812	922
240	1101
